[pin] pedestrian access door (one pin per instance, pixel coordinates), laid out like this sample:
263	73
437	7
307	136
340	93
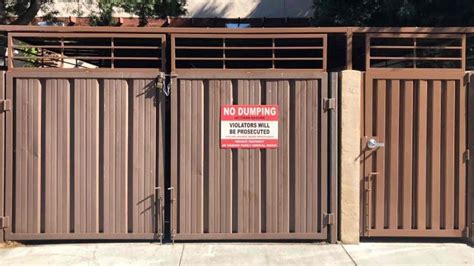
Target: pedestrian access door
84	155
414	155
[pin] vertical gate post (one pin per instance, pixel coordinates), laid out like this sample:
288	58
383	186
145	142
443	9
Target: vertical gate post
2	158
350	128
333	154
470	163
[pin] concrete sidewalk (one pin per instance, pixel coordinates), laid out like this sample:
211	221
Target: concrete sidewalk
238	253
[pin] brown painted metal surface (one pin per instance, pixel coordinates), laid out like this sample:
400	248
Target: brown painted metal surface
249	51
418	51
84	155
416	184
114	29
256	193
470	139
84	148
69	50
2	153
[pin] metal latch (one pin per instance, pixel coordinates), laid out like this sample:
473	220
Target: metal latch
160	82
4	222
164	81
329	103
330	218
5	105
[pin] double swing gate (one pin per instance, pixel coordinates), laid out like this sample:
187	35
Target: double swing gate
99	143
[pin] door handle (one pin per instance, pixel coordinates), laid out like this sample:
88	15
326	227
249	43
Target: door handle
373	144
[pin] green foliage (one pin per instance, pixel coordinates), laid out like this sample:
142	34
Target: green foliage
78	11
104	17
144	9
11	9
30	55
50	14
171	8
394	12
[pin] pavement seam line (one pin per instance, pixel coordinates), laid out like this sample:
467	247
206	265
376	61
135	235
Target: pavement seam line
181	257
348	254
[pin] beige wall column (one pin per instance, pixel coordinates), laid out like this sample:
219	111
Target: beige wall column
350	115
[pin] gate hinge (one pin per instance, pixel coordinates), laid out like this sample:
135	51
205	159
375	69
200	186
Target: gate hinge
4	222
330	218
5	105
329	104
467	156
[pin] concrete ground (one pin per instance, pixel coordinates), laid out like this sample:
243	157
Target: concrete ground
237	253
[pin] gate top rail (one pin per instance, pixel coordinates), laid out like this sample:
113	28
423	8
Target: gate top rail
118	29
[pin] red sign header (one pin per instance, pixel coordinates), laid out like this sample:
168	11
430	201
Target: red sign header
250	112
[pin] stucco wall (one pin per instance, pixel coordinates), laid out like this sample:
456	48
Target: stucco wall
350	117
249	8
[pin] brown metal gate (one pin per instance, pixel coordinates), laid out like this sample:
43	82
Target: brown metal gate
414	146
252	194
84	155
416	184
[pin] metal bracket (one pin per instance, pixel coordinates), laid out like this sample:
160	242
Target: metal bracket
367	194
329	104
4	222
173	232
158	213
5	105
330	218
367	181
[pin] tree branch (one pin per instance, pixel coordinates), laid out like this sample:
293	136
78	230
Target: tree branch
29	14
3	12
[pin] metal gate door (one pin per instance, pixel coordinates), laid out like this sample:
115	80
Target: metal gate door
253	193
414	153
84	155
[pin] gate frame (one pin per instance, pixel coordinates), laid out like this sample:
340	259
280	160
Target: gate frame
470	162
3	220
329	224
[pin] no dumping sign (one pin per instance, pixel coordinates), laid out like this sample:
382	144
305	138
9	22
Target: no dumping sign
249	126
